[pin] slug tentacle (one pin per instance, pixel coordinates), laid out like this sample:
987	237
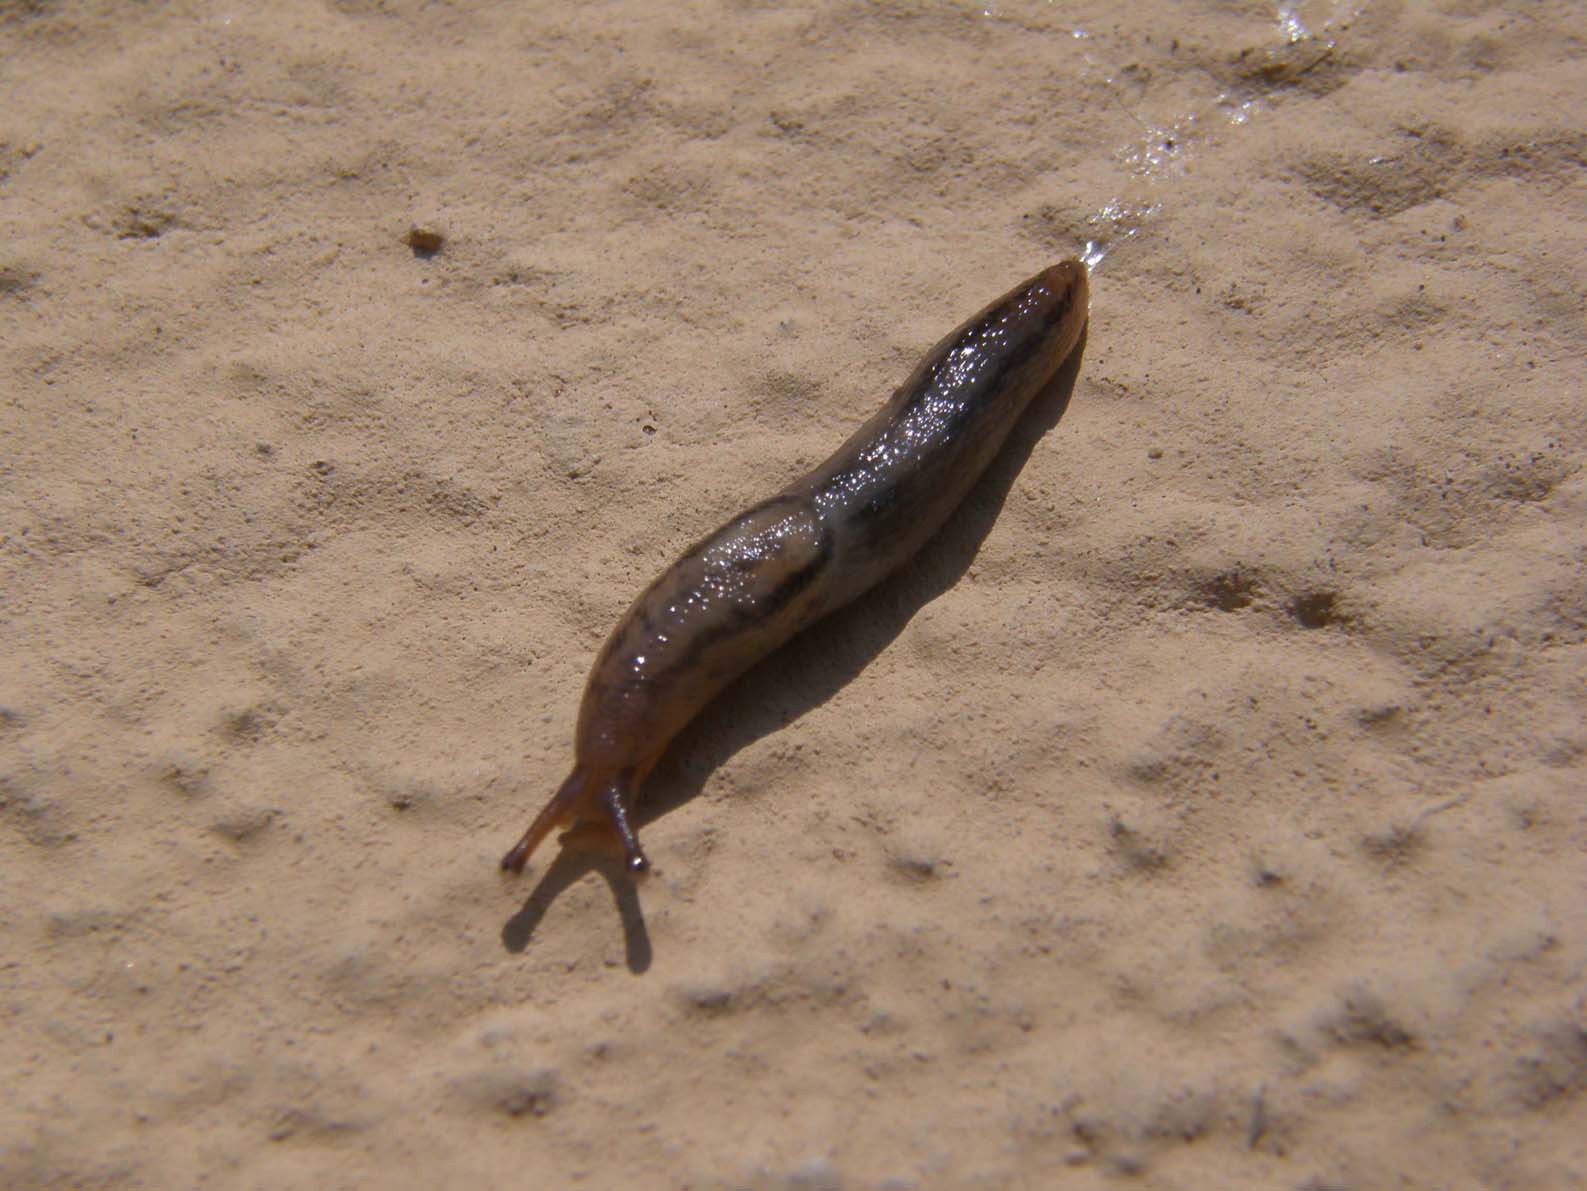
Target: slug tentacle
739	593
616	807
559	812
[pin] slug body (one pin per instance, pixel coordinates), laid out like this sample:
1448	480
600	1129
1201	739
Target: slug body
741	592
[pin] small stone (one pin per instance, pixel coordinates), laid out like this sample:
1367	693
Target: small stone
425	241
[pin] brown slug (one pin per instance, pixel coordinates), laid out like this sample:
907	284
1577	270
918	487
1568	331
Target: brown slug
739	593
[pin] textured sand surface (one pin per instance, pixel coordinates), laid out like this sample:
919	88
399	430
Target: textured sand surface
1205	809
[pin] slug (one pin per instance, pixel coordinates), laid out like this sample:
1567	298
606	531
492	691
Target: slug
739	593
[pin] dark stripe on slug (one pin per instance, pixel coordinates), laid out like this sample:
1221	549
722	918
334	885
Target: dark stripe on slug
1005	361
647	621
791	572
882	502
810	561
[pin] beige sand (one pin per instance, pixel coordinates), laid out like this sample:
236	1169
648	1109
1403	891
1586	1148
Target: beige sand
1204	810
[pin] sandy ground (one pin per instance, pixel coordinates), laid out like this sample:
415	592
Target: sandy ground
1204	809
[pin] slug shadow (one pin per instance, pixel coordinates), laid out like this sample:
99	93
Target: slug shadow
802	675
567	869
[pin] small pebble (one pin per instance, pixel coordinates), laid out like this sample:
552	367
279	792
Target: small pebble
425	241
